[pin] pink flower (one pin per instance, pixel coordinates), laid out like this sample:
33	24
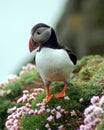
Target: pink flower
30	66
58	107
89	110
3	84
41	111
11	110
95	100
25	92
34	94
49	129
28	105
48	110
81	100
38	104
12	78
8	91
53	111
2	93
35	111
47	125
88	119
98	111
58	115
73	113
82	127
31	112
61	127
66	98
23	99
50	118
62	110
38	90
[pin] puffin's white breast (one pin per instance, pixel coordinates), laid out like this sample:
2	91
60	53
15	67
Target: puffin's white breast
53	64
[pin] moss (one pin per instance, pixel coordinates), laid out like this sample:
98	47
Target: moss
33	122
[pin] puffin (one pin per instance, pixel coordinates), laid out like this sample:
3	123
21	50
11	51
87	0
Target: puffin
54	61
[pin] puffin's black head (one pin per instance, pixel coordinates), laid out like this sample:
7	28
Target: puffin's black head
41	34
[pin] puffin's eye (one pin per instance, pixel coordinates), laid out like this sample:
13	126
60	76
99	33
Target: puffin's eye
38	32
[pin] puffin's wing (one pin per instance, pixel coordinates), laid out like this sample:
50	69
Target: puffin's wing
71	55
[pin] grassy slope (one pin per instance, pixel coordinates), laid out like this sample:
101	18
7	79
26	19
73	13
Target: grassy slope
16	87
88	80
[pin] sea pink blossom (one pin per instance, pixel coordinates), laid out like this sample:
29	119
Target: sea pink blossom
93	113
81	100
62	110
38	105
38	90
58	115
73	113
41	111
66	98
49	129
11	110
8	91
3	84
25	92
53	111
48	110
31	112
50	118
47	125
23	99
95	100
98	112
58	107
2	92
35	111
26	68
12	78
61	127
89	110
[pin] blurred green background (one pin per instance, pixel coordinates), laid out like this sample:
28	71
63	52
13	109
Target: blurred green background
82	26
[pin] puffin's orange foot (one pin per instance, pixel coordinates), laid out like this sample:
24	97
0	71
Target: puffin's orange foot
60	94
46	99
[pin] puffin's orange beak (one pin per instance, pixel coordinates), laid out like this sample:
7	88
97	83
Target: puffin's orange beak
32	44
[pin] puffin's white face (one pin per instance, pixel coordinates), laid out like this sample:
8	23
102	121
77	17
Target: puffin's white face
41	35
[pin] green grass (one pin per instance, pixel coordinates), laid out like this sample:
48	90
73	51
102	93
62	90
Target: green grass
33	122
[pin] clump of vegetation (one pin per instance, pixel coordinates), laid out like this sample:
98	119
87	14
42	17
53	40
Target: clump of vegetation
62	114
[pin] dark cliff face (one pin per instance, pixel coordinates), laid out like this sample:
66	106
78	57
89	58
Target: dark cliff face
82	26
